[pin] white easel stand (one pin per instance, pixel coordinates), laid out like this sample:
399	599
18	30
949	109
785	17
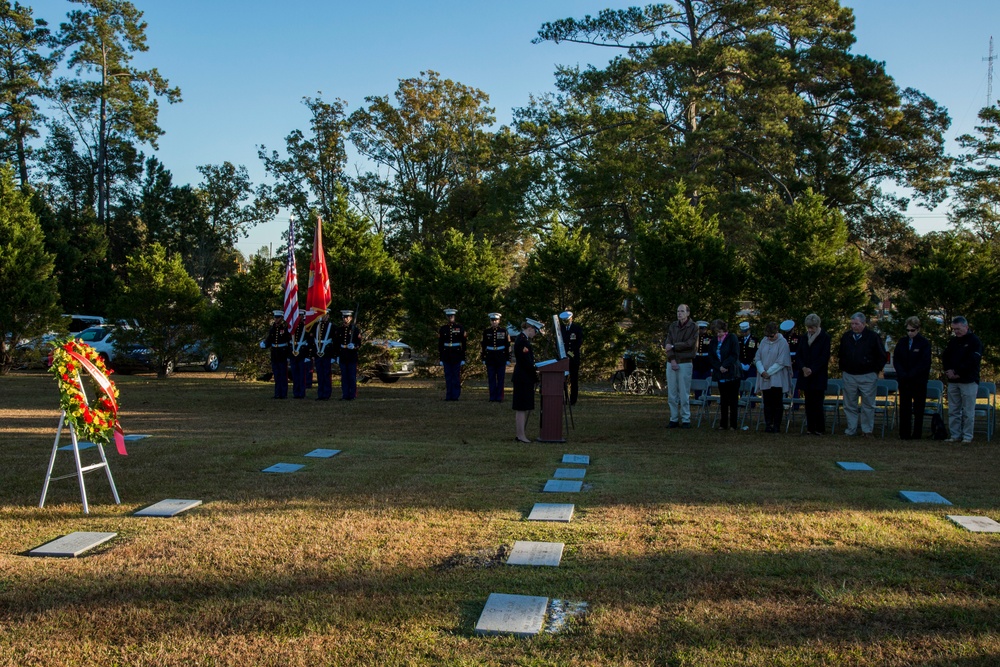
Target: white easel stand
80	469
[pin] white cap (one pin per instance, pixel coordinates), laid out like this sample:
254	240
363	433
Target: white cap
494	316
535	323
346	313
566	315
279	313
787	325
702	323
450	311
744	326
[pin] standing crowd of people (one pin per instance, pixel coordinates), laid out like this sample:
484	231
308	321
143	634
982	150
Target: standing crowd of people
784	362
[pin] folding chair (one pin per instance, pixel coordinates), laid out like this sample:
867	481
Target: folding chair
883	407
890	402
794	406
749	402
713	399
699	388
935	399
984	410
832	401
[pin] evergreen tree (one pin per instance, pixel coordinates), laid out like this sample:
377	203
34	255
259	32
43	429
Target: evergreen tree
166	302
241	315
456	272
683	258
119	104
28	294
566	272
25	68
803	264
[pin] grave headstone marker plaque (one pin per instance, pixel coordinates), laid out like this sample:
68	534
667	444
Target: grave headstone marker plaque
169	507
536	553
284	467
81	445
976	524
519	615
562	486
570	473
854	465
924	497
72	545
583	459
136	436
323	453
562	512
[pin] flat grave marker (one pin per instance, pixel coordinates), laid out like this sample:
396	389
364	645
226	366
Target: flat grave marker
976	524
562	512
136	436
570	473
284	467
583	459
168	508
562	486
322	453
536	553
854	465
519	615
924	497
81	445
72	545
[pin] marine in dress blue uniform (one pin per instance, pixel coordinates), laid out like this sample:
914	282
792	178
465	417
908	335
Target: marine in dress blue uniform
300	355
495	353
701	369
748	351
277	341
323	353
348	341
572	335
452	341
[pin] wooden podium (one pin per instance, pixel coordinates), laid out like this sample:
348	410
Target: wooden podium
553	379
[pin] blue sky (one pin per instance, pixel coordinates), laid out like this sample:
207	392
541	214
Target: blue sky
244	66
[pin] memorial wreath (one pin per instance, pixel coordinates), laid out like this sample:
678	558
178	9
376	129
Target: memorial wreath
97	420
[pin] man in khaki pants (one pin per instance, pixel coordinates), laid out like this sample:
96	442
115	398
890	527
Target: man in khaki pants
681	345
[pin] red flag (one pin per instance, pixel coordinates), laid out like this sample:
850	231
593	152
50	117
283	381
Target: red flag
318	297
291	283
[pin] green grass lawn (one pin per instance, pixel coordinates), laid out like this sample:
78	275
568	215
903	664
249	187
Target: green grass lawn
691	547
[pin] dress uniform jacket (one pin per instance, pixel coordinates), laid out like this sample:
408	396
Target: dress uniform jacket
495	346
346	336
452	341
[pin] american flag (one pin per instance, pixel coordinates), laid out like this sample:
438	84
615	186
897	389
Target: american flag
291	282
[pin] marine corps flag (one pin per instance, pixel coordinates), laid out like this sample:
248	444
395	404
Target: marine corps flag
318	297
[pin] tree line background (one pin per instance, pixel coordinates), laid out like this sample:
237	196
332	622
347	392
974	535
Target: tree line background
733	154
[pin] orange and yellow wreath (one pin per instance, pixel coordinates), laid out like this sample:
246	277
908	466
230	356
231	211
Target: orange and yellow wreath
95	419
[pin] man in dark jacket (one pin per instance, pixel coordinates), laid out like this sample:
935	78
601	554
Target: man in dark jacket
912	360
495	354
452	341
278	340
862	356
813	362
572	335
961	359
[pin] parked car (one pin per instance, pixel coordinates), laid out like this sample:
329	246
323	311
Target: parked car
393	361
197	354
122	358
78	323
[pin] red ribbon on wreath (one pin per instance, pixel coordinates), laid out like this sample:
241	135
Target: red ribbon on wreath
105	384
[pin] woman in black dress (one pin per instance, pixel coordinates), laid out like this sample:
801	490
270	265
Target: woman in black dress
912	360
813	361
525	377
724	358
